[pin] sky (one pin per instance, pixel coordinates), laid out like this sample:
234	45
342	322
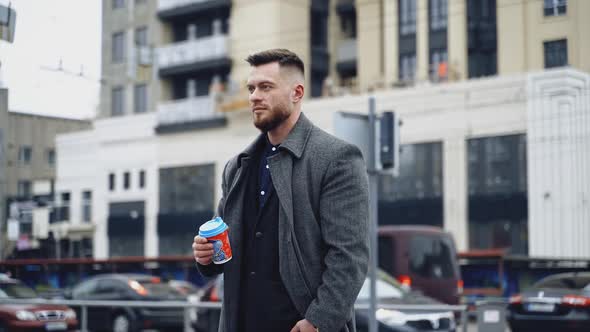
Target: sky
47	32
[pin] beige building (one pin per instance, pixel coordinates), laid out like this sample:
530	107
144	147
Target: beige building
28	161
168	55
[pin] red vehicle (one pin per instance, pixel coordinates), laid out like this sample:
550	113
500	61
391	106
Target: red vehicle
32	317
423	257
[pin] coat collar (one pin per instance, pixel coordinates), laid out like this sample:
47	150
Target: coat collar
294	143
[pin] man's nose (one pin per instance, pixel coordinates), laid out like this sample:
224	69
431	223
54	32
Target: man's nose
254	96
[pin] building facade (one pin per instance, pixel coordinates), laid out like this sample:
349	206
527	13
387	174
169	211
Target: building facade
28	164
460	73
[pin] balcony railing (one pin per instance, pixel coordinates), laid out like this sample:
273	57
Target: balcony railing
347	50
187	110
171	4
191	51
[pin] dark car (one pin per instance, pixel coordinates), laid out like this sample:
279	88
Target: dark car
389	292
129	287
423	257
31	317
560	302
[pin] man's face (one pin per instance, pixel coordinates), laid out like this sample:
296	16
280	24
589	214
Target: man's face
270	93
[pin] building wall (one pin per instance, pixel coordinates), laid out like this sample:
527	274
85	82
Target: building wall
522	29
558	129
286	27
128	73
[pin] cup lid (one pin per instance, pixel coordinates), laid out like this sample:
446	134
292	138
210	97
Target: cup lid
212	227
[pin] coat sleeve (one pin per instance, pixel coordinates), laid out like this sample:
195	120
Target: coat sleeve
344	226
215	269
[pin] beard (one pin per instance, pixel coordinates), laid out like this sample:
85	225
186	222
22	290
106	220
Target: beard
276	115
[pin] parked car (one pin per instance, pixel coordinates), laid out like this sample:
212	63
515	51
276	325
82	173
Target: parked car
31	317
389	291
129	287
422	257
560	302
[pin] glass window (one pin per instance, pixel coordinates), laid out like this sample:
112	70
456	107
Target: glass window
24	189
497	164
142	179
140	98
555	53
564	282
431	257
141	36
126	180
420	174
407	67
187	189
386	247
118	51
407	16
118	101
554	7
112	182
17	290
87	206
438	64
51	157
84	289
438	14
25	155
118	4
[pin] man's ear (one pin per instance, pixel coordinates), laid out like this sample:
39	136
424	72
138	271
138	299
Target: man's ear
297	93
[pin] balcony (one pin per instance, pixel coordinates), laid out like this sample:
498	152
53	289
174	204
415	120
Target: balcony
347	56
173	9
188	114
194	55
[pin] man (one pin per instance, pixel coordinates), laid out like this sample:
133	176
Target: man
296	202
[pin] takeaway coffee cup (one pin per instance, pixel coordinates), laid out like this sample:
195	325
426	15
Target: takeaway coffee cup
216	232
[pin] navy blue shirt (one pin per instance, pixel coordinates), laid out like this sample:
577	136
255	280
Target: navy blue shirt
265	181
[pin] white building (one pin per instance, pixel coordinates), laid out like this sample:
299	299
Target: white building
520	142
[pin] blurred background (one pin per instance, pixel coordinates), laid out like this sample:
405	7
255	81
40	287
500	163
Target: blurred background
117	118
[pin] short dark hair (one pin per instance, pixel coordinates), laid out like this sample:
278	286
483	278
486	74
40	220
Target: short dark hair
283	56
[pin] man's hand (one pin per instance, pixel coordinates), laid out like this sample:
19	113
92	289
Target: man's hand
202	250
303	326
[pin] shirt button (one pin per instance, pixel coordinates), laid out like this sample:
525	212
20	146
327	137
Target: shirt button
266	166
252	274
274	149
262	193
258	234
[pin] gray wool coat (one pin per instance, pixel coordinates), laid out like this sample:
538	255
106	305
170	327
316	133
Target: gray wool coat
321	184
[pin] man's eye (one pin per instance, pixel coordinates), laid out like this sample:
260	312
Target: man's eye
265	87
251	89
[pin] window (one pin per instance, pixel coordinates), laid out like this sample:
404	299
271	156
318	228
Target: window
554	7
141	36
126	180
142	179
438	14
25	155
87	206
51	157
112	182
64	213
118	101
118	47
118	4
431	257
555	53
438	64
140	98
407	10
407	67
24	189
